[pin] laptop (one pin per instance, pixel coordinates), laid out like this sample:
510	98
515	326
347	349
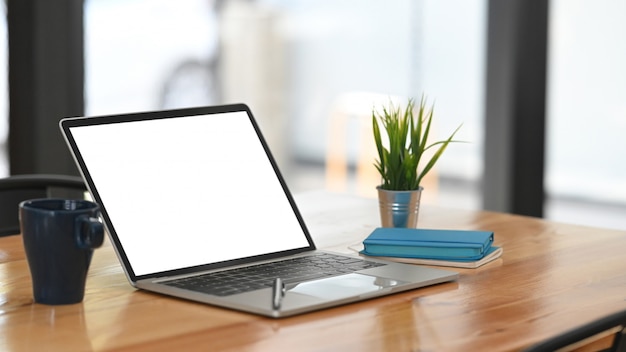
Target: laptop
196	208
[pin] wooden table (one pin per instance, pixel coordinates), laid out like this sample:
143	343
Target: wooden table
550	278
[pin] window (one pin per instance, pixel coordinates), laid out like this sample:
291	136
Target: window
586	148
291	61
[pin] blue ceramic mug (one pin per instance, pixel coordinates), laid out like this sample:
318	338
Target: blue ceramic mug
59	238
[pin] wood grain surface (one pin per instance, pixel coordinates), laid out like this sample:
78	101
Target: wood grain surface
551	277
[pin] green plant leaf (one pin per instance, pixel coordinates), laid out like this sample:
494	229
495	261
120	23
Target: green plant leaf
433	160
407	138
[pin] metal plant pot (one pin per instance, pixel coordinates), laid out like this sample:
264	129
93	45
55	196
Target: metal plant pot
399	208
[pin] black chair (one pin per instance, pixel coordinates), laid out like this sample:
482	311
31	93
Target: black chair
15	189
613	325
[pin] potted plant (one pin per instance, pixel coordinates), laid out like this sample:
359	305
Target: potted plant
400	159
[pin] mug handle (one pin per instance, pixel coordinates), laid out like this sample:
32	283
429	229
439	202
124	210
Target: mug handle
89	232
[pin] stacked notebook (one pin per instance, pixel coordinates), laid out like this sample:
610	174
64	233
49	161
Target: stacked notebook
455	248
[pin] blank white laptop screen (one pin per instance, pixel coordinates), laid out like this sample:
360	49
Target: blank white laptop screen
188	191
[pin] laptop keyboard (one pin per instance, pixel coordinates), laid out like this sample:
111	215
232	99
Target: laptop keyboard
233	281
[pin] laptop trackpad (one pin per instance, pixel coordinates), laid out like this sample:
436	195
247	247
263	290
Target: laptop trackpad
344	286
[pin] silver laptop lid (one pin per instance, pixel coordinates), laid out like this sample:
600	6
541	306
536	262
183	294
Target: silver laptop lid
186	190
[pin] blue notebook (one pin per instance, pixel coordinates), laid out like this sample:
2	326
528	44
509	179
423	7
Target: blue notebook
428	243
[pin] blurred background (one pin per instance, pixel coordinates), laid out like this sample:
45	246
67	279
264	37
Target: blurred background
310	70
